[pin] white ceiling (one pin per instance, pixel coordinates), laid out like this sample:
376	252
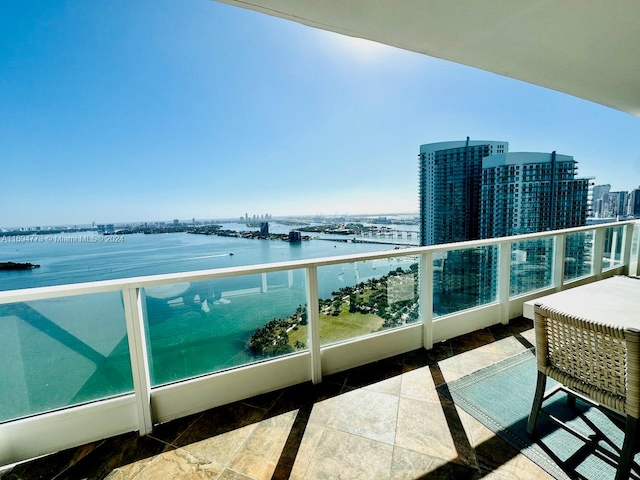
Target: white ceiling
586	48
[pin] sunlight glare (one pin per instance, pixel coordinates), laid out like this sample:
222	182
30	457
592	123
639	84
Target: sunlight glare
357	49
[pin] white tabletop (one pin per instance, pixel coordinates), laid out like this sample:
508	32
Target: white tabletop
614	301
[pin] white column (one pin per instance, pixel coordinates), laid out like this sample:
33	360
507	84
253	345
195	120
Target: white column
313	325
426	298
559	253
139	360
504	280
614	247
598	252
633	266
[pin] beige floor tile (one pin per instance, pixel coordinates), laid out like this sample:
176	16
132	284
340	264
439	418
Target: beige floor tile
177	465
213	453
476	432
409	465
260	453
361	412
530	335
231	475
391	386
422	427
221	449
128	472
341	455
419	385
468	362
518	468
310	440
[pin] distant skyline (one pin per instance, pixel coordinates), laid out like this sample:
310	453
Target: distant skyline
151	110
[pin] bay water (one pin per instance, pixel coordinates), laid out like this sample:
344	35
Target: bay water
67	351
69	258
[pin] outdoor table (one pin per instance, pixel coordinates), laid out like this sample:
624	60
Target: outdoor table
614	301
588	340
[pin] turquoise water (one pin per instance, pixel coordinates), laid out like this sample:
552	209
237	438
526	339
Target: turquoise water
72	350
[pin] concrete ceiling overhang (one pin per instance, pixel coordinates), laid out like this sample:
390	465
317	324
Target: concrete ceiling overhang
586	48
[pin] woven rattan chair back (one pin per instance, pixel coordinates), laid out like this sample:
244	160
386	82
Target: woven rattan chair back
599	361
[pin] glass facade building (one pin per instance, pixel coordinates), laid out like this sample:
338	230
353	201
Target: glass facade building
450	176
472	190
530	192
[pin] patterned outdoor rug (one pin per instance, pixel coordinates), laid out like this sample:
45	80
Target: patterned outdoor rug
500	397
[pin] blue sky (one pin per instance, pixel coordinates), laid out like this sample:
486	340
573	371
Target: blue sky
152	110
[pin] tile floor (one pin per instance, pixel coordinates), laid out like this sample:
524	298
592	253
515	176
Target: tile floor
384	420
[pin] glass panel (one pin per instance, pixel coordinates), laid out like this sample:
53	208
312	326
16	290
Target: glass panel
578	258
61	352
361	298
464	279
197	328
531	265
612	256
636	240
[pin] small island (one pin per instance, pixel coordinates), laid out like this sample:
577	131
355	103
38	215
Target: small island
368	307
250	234
17	266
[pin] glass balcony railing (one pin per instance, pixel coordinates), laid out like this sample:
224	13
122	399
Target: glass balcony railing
635	242
578	259
531	265
613	237
196	328
61	352
121	355
370	296
467	278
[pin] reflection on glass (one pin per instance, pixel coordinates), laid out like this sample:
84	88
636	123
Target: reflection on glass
612	256
531	265
62	352
362	298
578	257
464	279
195	328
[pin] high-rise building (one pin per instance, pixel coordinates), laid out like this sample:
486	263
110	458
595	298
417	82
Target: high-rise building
598	199
476	189
533	192
450	176
528	192
634	203
618	202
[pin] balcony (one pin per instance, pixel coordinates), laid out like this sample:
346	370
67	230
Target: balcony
159	364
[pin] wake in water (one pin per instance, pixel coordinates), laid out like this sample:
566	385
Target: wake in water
211	256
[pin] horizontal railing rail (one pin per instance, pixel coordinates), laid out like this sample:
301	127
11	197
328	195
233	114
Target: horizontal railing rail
38	293
492	279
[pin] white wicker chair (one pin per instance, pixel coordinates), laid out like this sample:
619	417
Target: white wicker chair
591	360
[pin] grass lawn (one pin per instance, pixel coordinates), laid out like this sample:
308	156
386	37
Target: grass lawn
342	327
